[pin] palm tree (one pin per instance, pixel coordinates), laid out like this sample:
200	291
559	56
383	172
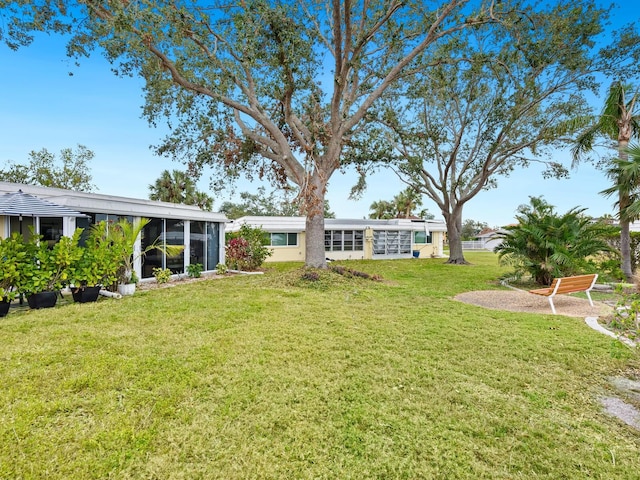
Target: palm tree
403	205
620	123
625	175
381	209
170	187
546	245
406	202
123	236
202	200
178	187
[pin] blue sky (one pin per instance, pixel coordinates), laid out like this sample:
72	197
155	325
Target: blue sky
43	106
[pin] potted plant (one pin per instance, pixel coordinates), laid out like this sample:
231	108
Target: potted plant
95	267
46	270
12	258
123	236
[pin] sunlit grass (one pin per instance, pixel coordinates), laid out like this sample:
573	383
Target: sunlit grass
273	376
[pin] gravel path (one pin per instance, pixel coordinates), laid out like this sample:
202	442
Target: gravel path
521	301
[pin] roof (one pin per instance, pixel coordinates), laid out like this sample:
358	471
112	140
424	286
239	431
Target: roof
21	204
111	204
297	224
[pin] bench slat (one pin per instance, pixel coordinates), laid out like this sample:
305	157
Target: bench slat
578	283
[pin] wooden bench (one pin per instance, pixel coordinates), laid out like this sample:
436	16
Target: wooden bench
579	283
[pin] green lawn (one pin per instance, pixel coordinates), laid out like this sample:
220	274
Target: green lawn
274	377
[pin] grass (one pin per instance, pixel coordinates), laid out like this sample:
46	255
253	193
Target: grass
274	376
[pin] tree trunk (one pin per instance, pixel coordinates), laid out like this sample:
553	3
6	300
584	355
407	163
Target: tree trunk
315	256
314	248
454	230
623	203
625	250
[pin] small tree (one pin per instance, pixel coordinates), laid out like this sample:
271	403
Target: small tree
70	170
246	249
546	245
472	228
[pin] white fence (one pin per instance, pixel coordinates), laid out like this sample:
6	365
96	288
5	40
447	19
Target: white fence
473	245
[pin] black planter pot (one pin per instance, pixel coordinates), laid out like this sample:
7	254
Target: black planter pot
42	299
85	294
4	307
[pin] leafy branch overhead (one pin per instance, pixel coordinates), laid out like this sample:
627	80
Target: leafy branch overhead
274	89
286	90
493	99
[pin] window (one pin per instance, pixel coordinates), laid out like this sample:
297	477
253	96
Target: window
198	241
51	230
343	240
153	258
421	237
391	242
205	245
284	239
174	235
213	245
22	225
95	218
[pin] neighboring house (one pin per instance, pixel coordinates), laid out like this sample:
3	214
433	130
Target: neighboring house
351	239
487	239
201	233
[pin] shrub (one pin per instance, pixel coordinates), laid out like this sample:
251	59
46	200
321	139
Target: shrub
245	249
626	316
194	270
162	274
13	255
221	269
611	262
98	261
48	269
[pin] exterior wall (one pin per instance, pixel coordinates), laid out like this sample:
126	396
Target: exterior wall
289	253
368	244
297	254
433	249
366	226
3	226
286	254
352	255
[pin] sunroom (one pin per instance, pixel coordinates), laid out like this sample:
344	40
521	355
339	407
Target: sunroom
200	232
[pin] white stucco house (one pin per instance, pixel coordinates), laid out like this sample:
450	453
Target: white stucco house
346	239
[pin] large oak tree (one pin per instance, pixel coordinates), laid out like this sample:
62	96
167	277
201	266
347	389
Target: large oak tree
277	88
487	102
